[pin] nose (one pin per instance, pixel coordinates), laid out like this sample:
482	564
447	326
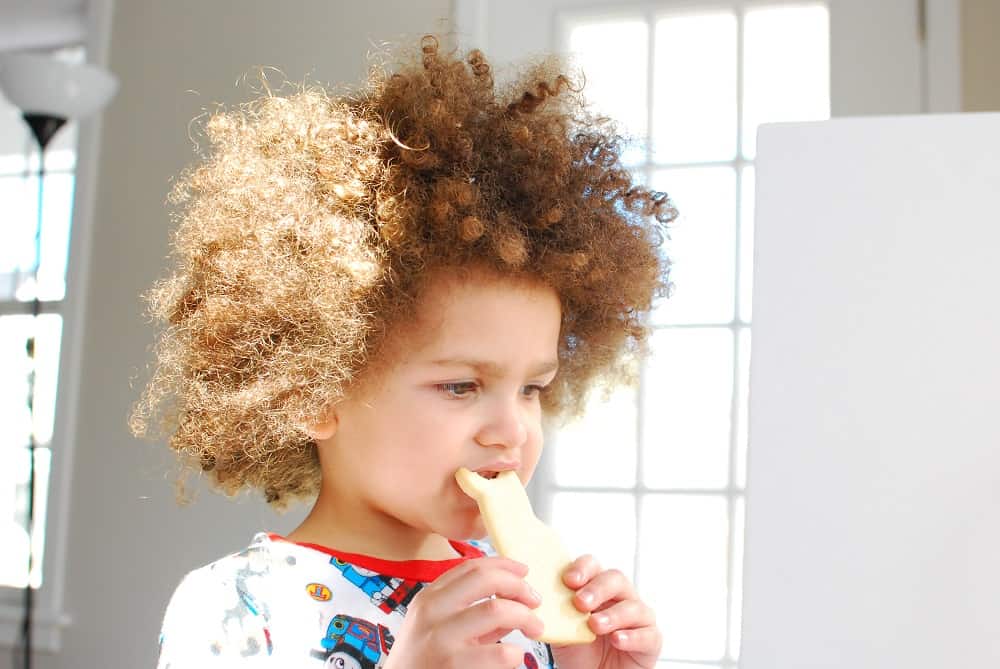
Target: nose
504	424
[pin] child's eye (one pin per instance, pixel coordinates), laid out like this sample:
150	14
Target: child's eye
459	390
534	391
466	389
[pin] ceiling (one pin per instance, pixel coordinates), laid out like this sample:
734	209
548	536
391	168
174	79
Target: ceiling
41	24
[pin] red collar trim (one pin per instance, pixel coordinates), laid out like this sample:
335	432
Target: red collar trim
415	570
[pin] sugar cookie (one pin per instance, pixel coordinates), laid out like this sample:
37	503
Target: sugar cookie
517	534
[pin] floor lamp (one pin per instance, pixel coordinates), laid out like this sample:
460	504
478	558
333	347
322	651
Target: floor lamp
48	92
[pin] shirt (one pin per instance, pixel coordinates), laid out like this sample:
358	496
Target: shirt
278	603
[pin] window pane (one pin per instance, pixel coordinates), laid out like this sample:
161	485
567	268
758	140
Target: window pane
12	164
17	255
58	215
640	177
702	245
613	56
747	186
739	534
682	572
19	196
786	67
15	423
606	428
694	107
13	521
687	395
742	413
14	415
14	556
574	516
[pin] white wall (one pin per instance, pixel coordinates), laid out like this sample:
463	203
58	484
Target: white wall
128	542
873	484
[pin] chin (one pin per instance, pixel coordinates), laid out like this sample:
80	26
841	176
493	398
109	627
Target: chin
467	528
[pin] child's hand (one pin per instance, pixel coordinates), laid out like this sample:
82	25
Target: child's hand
443	629
627	636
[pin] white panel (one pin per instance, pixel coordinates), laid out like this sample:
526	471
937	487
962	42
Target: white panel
874	472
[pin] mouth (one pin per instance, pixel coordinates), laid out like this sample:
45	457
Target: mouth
495	469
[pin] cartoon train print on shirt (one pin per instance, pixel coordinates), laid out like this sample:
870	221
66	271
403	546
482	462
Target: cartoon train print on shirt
354	643
319	592
539	656
389	593
245	605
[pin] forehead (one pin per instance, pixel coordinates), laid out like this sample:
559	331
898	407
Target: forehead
511	325
481	312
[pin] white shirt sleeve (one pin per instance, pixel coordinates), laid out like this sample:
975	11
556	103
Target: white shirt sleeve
213	622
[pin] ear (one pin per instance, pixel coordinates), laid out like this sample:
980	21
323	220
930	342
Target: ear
325	427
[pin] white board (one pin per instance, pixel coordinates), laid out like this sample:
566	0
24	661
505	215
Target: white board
873	490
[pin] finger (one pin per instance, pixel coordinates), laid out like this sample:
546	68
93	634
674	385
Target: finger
492	656
494	636
473	569
627	615
483	581
645	641
580	571
490	617
607	587
494	562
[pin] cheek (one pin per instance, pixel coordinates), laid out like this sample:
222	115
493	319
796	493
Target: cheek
532	451
423	437
407	420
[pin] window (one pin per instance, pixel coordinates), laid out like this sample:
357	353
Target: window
690	84
22	250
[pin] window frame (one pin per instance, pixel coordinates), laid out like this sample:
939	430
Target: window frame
48	620
49	614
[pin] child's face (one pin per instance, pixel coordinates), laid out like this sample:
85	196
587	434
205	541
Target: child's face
462	392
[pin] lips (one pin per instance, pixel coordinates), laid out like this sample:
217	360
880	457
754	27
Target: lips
494	469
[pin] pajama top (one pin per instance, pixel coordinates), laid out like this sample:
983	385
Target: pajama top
278	603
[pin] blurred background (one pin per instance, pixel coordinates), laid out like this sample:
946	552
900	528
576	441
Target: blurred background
662	468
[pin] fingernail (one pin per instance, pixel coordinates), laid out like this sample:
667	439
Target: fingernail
622	637
574	575
534	593
601	619
587	598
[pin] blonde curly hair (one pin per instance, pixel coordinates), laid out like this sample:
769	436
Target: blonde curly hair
305	235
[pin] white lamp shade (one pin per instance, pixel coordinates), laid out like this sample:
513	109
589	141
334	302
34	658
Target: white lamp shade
42	85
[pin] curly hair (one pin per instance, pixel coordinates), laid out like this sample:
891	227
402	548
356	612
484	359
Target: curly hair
305	235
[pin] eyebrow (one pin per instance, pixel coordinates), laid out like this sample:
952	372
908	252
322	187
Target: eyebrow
490	368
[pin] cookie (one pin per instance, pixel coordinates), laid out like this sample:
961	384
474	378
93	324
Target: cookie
517	534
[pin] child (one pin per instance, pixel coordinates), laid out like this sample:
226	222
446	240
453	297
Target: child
372	292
